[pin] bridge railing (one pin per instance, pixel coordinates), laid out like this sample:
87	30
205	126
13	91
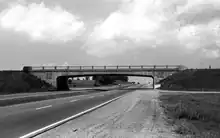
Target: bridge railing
94	68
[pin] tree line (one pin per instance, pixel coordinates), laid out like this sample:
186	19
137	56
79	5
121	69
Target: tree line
104	80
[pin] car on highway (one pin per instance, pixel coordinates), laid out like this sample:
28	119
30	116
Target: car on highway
52	89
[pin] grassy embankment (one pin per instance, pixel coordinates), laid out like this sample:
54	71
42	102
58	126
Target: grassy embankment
19	82
13	82
193	114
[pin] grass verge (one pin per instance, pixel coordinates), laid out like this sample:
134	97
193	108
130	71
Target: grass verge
192	115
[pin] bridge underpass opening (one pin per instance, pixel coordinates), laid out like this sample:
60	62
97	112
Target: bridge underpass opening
86	81
83	81
67	82
147	81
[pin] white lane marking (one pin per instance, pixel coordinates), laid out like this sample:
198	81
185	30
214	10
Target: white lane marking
91	96
43	107
74	100
46	128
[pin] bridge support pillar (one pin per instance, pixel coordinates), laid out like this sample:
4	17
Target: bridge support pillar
97	80
153	82
62	83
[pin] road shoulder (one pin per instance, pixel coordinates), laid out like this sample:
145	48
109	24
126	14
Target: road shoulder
137	114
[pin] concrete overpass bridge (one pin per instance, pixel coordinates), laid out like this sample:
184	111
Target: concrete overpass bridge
58	75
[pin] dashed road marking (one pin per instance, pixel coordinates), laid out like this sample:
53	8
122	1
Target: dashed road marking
43	107
74	100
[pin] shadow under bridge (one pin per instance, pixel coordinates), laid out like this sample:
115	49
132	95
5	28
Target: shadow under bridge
62	81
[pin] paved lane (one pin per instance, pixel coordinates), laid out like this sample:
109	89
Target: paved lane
14	109
18	120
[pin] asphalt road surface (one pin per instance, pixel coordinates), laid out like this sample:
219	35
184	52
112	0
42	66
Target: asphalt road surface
18	120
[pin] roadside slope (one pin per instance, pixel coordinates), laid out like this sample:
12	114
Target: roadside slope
192	114
19	82
193	79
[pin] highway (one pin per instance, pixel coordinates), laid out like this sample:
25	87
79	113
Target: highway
18	120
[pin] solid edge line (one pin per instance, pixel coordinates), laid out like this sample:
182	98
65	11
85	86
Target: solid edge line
46	128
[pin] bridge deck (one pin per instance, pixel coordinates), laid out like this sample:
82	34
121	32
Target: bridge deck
166	68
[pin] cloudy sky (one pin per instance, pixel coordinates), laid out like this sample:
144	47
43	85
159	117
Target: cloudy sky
109	32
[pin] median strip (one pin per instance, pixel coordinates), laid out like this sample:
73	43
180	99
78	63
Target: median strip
27	99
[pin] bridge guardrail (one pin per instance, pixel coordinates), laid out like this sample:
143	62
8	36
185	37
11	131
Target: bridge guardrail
94	68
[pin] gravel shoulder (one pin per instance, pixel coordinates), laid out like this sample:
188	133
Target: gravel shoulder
136	115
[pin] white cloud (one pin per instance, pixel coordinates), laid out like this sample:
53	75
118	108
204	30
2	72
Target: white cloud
41	22
118	1
211	53
135	22
156	23
201	37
